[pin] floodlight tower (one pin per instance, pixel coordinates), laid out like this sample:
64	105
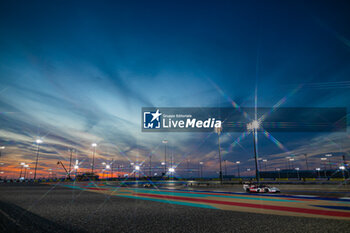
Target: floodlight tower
38	142
342	168
26	166
218	130
265	162
76	167
108	168
137	169
254	126
239	175
22	166
307	164
325	167
70	162
93	158
165	142
329	160
318	171
171	172
297	169
291	162
201	169
150	166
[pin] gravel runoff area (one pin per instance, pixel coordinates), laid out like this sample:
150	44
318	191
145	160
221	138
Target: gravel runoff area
45	208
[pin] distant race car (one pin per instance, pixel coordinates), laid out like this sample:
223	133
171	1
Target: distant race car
249	188
147	186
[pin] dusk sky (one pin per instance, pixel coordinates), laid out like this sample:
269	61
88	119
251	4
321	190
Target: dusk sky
78	72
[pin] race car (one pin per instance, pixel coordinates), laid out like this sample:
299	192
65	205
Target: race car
147	185
251	188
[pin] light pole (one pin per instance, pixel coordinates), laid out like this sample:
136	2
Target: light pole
108	167
112	168
171	171
325	168
76	167
254	126
265	162
70	162
239	175
307	165
297	169
342	168
318	171
329	160
93	158
165	142
38	142
171	160
26	166
22	165
287	164
291	163
218	130
163	164
50	173
201	170
137	169
279	173
150	166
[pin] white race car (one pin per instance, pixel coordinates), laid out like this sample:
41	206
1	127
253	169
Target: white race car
251	188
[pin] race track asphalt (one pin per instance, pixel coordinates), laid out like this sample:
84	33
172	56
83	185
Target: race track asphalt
50	208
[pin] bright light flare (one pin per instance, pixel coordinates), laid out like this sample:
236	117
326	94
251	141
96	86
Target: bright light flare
254	125
218	130
171	169
39	141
